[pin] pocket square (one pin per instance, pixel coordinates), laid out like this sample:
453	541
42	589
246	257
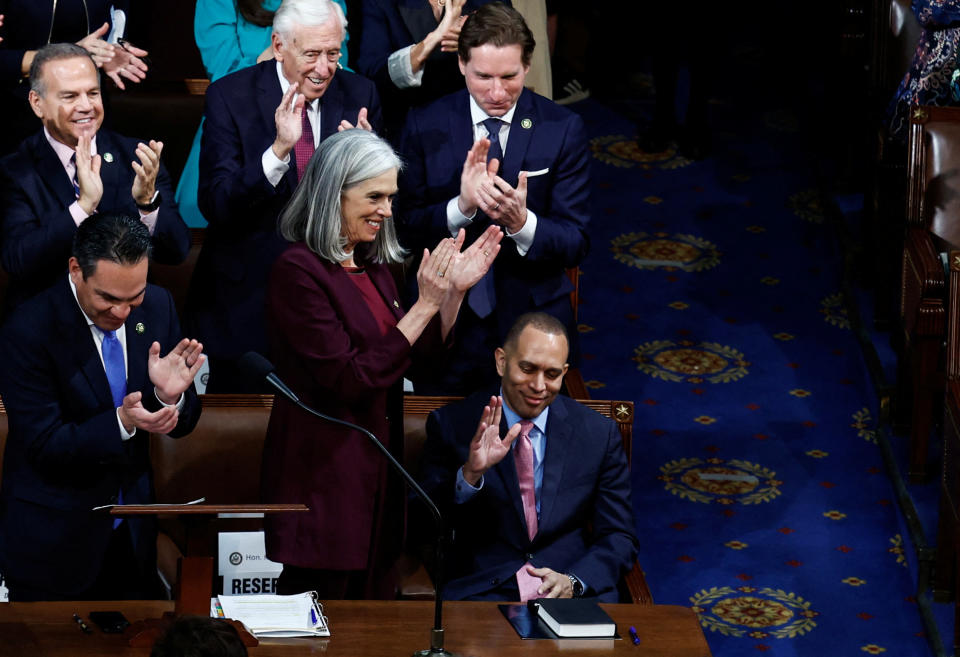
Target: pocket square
538	172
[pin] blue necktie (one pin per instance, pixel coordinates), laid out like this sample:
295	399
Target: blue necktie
117	378
483	297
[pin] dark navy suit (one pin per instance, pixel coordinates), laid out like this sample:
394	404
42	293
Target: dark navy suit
64	454
544	137
36	229
225	308
585	524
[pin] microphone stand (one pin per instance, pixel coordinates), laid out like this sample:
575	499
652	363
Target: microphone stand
436	634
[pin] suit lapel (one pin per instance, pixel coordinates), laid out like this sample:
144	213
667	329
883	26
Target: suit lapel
331	109
137	343
519	138
110	168
506	470
51	171
557	448
76	334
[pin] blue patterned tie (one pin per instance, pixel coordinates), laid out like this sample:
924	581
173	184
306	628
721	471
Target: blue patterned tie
483	297
117	378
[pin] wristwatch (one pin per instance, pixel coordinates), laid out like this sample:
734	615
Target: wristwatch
577	586
152	205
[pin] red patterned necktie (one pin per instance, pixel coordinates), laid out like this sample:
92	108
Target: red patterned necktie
523	457
303	150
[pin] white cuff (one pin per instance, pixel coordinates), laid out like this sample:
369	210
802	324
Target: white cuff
124	435
456	219
523	238
274	167
401	70
179	403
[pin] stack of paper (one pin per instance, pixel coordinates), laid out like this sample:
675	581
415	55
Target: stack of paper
276	615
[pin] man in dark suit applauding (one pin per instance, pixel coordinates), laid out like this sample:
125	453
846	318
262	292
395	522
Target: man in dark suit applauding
261	126
73	168
525	171
537	495
84	384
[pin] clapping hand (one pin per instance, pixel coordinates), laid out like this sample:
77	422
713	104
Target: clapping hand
362	122
487	448
469	266
450	24
100	50
88	176
432	279
145	178
126	63
174	373
476	171
289	121
504	204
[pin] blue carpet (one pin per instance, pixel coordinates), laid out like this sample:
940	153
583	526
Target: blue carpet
712	298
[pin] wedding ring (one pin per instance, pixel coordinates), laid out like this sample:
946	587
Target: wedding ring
486	253
439	273
496	207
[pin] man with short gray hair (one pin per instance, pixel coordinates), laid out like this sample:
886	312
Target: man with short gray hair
262	124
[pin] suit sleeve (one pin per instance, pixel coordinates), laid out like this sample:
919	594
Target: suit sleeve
33	236
232	186
377	45
302	314
614	547
561	239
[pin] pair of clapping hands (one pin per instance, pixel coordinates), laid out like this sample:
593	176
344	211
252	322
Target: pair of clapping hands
118	61
91	185
170	376
448	270
481	188
289	122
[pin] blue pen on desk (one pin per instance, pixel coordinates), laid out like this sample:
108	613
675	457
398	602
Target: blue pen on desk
633	636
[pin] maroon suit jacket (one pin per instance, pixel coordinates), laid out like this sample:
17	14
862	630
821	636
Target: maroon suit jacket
329	349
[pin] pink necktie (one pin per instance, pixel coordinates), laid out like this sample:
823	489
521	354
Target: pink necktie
523	457
303	149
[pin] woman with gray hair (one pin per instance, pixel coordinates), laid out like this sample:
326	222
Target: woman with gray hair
342	341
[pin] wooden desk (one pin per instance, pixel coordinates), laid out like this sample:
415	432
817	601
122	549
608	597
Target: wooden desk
377	628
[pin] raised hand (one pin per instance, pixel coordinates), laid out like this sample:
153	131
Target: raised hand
126	63
145	178
450	24
174	373
288	119
487	448
469	266
476	171
88	176
504	204
134	416
362	122
100	50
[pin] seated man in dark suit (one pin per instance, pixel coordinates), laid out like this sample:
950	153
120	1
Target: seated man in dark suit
261	125
73	168
545	510
525	170
84	384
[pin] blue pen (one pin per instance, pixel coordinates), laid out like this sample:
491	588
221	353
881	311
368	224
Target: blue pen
313	616
633	636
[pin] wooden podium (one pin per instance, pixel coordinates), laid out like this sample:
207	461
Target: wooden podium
195	568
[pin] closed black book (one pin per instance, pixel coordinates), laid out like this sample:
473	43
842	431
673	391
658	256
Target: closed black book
573	617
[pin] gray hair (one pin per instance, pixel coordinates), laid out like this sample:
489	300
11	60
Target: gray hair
313	214
54	52
310	13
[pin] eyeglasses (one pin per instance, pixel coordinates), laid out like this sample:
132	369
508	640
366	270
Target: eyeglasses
311	56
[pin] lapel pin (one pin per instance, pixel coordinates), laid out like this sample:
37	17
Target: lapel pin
108	157
396	304
526	124
140	328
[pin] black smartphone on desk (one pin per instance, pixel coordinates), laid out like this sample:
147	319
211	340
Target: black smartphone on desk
111	622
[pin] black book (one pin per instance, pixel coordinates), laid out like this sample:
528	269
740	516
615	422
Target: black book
574	617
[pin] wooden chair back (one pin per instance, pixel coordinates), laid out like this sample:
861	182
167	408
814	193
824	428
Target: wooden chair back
933	170
176	278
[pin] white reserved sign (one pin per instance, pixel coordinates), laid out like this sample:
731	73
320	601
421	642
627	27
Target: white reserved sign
244	564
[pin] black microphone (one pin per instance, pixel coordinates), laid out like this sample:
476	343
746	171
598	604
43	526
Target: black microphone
259	367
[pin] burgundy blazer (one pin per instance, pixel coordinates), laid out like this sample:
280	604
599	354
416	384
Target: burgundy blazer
329	349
